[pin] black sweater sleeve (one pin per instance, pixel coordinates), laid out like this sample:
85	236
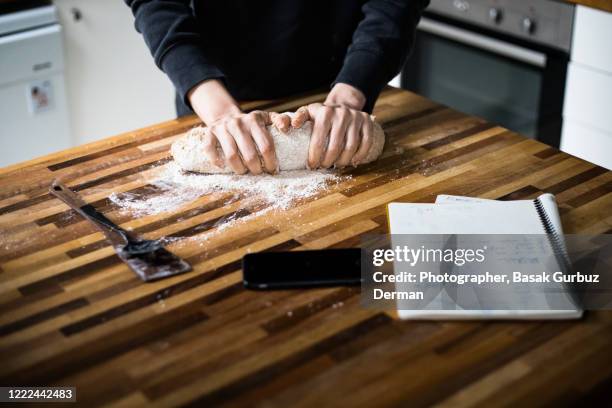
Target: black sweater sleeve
381	43
170	31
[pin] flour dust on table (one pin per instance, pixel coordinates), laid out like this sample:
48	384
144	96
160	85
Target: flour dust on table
258	194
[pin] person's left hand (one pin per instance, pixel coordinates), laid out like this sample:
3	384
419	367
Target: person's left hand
342	134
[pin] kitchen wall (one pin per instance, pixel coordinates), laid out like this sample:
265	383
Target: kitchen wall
112	83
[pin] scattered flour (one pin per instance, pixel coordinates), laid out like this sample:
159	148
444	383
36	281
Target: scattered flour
176	188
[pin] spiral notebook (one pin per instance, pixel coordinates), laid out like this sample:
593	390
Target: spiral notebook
466	215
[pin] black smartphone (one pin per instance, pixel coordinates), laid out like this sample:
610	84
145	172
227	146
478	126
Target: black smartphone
302	269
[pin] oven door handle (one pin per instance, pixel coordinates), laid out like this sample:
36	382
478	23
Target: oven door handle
482	42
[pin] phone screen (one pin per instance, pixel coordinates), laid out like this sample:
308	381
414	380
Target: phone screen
302	269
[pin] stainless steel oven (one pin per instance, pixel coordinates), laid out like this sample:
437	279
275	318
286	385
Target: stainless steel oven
502	60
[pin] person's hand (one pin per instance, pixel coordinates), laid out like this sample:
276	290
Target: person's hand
284	123
342	134
243	137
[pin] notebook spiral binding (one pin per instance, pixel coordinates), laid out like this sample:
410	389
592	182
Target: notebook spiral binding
556	241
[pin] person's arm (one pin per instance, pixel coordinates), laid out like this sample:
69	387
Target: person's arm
170	31
381	44
342	132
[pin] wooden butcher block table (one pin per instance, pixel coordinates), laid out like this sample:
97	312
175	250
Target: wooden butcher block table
72	314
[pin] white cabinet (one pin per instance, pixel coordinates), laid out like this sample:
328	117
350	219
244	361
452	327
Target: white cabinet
588	96
113	83
591	38
587	112
33	109
587	142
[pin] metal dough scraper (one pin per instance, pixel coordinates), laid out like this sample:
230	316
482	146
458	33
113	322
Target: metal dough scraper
147	258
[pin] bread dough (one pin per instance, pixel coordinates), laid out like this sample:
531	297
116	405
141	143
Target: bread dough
291	149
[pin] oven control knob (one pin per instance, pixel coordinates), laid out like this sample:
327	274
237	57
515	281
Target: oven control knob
528	25
495	15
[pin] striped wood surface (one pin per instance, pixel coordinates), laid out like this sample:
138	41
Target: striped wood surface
72	314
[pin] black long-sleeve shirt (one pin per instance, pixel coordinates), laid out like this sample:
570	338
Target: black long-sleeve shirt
274	48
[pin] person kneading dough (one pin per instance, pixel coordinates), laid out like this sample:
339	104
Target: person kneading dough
219	52
291	134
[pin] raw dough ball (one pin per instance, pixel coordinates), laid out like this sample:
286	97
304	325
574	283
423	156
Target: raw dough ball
291	149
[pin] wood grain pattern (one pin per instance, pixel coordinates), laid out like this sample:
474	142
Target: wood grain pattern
72	314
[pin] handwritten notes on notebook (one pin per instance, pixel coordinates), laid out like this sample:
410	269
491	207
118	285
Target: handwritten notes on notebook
466	215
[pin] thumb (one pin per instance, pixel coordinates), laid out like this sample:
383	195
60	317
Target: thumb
281	121
312	109
301	115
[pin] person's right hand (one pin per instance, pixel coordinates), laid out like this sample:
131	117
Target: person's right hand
243	137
